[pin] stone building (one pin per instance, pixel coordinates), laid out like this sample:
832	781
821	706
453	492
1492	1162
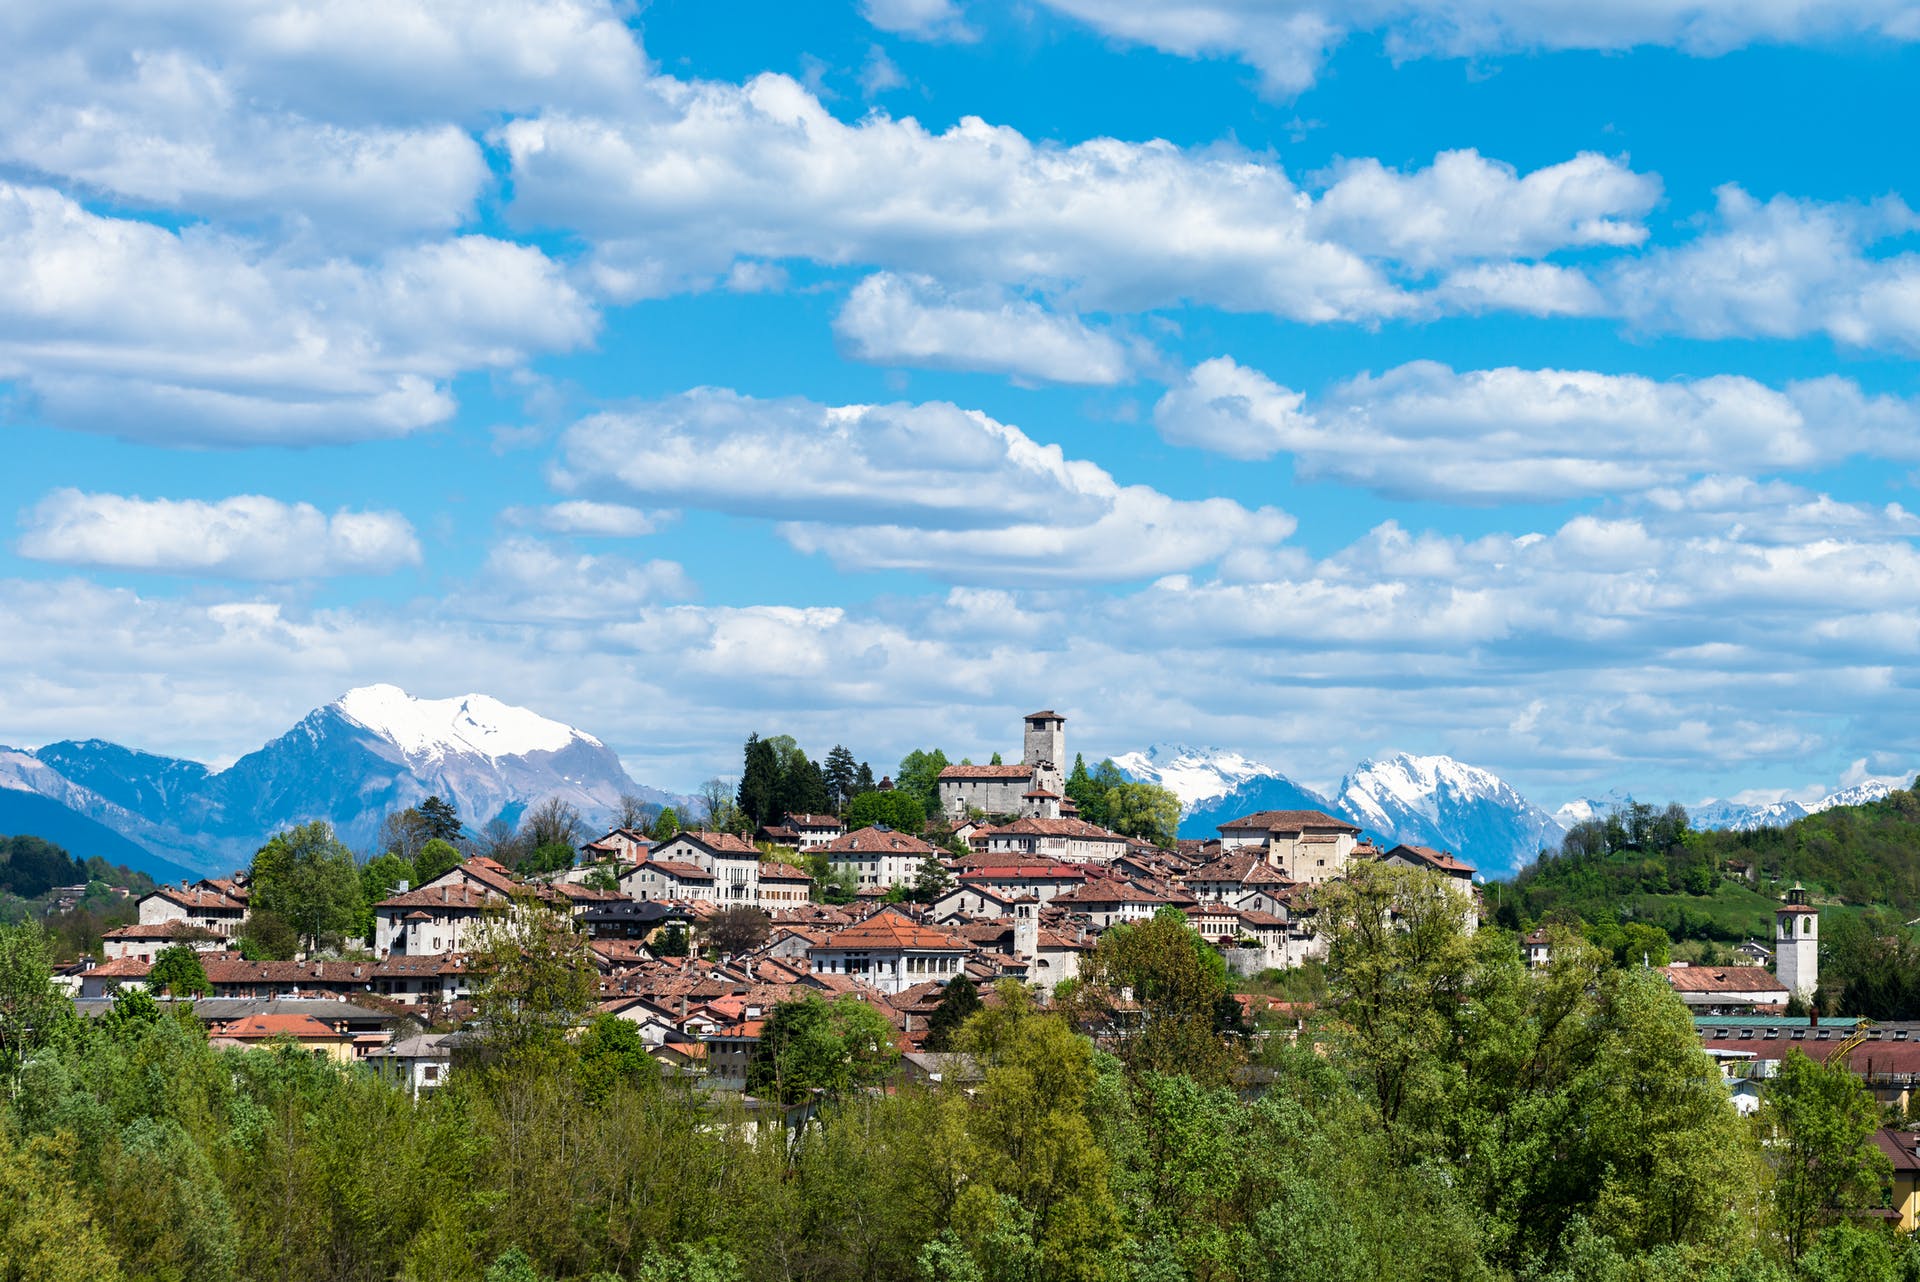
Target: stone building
1031	789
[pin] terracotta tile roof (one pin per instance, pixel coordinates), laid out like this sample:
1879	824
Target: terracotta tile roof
879	841
171	929
1289	821
721	842
812	821
783	872
1057	828
419	965
261	1027
674	868
1045	714
987	772
1440	860
465	897
1109	892
1900	1148
200	900
1722	979
1049	869
122	968
888	930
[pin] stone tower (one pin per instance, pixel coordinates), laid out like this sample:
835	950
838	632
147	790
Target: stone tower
1796	943
1046	749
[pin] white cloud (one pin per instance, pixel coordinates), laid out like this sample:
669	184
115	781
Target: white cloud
119	326
348	114
919	19
530	579
934	488
1782	269
1288	40
581	516
879	74
912	320
1422	430
718	172
246	537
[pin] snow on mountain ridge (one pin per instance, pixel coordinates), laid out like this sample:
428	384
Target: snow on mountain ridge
466	725
1192	774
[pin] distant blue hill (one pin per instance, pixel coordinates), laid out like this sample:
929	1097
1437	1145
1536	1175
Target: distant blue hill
31	815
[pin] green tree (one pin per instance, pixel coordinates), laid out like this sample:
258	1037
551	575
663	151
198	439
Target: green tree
958	1001
266	936
442	819
919	777
1818	1124
810	1047
48	1232
305	877
931	880
436	859
901	811
1165	988
554	822
32	1010
1090	798
380	877
612	1054
759	793
1143	810
863	780
178	973
538	983
666	826
670	942
842	772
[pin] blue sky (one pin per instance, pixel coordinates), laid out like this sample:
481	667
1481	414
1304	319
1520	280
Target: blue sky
1526	382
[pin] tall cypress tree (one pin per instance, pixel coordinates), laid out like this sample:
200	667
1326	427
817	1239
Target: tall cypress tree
759	795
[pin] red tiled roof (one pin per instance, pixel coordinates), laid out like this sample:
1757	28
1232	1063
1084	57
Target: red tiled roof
1050	869
878	841
812	821
1443	861
1045	714
890	930
674	868
252	1027
987	772
1722	979
1057	828
1109	892
783	872
462	896
170	929
728	842
195	899
1289	821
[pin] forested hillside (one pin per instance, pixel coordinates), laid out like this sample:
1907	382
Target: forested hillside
1651	866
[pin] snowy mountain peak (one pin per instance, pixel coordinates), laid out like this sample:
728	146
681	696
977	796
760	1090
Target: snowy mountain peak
1858	795
1192	774
1445	803
1415	782
466	725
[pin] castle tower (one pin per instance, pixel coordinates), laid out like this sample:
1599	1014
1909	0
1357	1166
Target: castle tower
1046	749
1796	943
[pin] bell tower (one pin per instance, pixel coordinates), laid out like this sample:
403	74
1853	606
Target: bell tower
1045	749
1796	943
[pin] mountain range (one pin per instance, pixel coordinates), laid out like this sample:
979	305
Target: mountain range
372	751
1427	801
1732	816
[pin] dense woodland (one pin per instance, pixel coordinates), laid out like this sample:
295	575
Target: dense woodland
1449	1115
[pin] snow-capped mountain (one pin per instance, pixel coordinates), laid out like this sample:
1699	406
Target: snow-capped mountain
1858	795
1192	774
1737	816
372	751
1449	805
1427	801
1581	809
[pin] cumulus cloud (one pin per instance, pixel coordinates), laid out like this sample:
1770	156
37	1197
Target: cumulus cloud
582	516
533	579
671	197
946	491
246	537
1424	430
1288	40
1781	269
912	320
352	115
191	337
